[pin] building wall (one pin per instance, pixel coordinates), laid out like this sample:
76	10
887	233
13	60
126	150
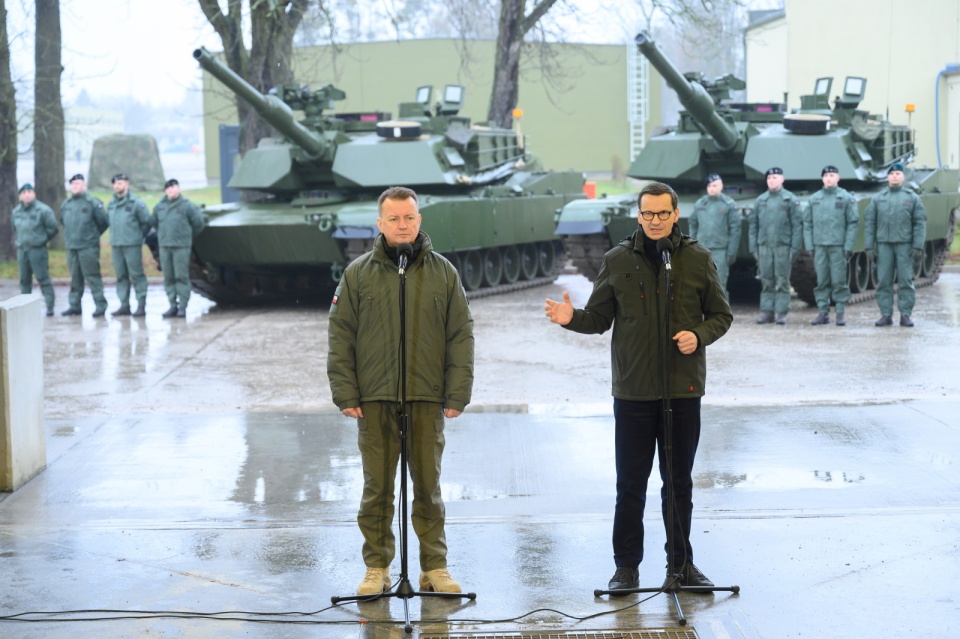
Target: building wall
766	55
900	49
583	128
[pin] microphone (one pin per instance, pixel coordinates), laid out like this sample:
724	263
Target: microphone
665	248
405	251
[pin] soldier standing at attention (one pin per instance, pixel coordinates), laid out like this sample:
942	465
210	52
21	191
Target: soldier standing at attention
829	231
895	222
177	221
33	226
84	221
775	233
129	222
715	223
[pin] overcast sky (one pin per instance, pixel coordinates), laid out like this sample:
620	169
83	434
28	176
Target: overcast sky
143	48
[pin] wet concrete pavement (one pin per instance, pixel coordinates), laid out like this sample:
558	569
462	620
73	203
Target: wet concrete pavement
199	466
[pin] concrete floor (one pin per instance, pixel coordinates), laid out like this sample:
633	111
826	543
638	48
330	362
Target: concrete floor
198	466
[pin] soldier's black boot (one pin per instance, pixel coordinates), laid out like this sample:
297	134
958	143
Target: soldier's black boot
840	320
141	311
781	319
70	311
765	318
123	310
906	321
181	312
170	312
885	320
49	312
823	318
100	312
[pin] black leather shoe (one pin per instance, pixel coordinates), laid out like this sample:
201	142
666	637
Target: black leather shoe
781	319
69	312
123	310
181	312
691	576
765	318
822	318
140	312
624	579
906	321
886	320
100	312
170	312
49	312
840	320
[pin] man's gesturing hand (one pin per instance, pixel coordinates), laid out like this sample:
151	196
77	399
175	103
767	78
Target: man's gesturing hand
559	312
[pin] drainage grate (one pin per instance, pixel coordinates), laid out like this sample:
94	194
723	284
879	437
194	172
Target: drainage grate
671	633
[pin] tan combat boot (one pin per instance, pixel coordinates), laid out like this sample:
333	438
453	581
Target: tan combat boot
376	581
438	580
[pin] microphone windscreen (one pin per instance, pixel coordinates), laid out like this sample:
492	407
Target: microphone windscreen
665	244
404	248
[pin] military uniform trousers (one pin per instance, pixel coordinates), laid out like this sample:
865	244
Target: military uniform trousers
84	265
775	278
128	263
833	278
35	262
379	439
894	257
719	256
175	263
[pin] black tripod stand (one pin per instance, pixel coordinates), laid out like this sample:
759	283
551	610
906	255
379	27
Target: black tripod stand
404	590
672	586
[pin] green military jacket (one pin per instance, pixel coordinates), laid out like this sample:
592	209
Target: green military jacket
715	223
895	215
33	225
629	295
364	332
831	219
177	222
776	221
129	220
84	221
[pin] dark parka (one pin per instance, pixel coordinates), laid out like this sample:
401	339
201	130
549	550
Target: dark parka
831	219
628	294
84	221
33	225
895	215
362	363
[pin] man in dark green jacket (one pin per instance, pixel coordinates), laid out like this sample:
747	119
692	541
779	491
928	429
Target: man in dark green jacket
129	222
84	221
776	230
894	229
715	223
33	226
363	370
629	295
177	220
829	232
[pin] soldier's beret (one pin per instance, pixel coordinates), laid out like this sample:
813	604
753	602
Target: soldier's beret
896	166
78	176
170	182
829	169
774	170
713	177
25	187
119	176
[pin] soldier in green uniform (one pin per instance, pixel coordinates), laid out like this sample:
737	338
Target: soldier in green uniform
84	221
129	222
177	221
776	229
829	231
33	226
895	227
715	223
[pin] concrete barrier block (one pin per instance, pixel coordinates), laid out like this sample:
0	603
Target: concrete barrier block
23	443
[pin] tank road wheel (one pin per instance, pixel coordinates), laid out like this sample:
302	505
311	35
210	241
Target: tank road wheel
546	258
492	267
929	260
528	261
859	272
471	272
510	255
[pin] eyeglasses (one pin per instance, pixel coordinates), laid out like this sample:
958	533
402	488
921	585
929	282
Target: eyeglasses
661	215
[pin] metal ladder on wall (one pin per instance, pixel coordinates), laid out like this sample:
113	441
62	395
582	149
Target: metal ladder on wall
638	98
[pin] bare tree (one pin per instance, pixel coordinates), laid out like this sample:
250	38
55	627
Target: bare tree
48	142
268	62
8	142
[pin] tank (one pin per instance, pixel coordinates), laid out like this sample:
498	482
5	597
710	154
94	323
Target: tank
740	142
312	195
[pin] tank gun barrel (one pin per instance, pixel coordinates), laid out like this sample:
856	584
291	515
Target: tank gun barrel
271	108
693	96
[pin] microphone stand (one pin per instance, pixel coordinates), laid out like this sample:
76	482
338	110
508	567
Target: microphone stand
404	589
672	585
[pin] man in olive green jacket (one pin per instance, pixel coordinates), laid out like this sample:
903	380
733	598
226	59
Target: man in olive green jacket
776	230
177	220
715	223
894	229
630	295
829	232
129	222
363	370
33	226
84	221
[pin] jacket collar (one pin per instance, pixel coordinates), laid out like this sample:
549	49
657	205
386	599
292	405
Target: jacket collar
380	248
635	241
